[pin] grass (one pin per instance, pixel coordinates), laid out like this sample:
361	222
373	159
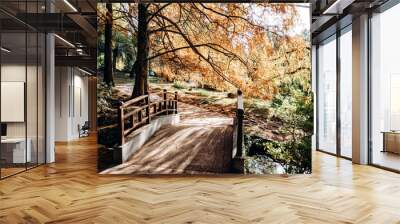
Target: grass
208	96
257	106
122	77
200	92
180	85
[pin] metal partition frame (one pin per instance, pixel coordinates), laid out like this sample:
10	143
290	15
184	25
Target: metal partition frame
39	118
382	8
340	31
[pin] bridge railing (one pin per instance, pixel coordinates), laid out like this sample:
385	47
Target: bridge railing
139	111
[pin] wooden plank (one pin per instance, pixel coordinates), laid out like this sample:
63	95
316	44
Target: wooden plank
133	112
135	126
71	191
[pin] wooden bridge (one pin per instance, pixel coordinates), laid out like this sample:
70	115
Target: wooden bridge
139	111
201	142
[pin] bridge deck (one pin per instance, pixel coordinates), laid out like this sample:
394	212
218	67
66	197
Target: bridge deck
200	143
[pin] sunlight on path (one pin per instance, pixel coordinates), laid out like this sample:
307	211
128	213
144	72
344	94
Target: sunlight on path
201	143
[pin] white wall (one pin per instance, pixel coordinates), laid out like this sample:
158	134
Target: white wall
17	73
12	73
71	102
61	103
80	98
33	127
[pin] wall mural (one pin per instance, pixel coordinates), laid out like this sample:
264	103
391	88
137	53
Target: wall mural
204	88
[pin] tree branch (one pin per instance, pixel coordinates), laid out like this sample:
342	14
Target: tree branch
195	50
158	11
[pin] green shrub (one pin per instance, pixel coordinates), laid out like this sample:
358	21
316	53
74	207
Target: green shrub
104	95
294	156
180	85
263	155
293	107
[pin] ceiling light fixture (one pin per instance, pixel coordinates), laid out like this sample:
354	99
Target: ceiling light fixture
337	7
70	5
5	50
64	40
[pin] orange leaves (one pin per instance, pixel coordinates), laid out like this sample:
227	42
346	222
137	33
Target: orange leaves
208	43
247	45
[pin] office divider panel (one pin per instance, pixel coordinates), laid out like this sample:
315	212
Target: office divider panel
15	149
23	85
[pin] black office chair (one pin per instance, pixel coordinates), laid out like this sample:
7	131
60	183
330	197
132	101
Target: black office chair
84	130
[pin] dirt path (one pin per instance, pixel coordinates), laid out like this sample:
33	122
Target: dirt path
200	143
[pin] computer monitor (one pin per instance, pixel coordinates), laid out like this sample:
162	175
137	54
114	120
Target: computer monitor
3	129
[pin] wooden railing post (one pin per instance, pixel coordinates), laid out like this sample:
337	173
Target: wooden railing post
121	124
148	108
176	102
140	113
240	117
165	106
165	100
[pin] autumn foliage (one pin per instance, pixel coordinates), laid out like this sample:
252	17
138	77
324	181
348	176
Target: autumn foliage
224	46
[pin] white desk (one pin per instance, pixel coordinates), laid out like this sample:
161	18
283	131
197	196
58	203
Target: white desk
17	147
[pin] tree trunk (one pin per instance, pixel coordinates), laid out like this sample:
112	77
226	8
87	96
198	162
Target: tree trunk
141	68
108	67
133	70
114	58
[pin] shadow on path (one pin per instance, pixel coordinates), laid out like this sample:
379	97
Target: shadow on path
201	143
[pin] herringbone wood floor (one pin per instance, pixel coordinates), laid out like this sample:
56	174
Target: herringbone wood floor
70	191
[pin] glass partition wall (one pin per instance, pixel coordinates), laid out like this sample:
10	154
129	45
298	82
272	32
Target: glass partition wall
334	99
22	77
345	91
385	89
327	95
334	93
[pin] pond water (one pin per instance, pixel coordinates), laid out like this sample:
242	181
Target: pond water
261	164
